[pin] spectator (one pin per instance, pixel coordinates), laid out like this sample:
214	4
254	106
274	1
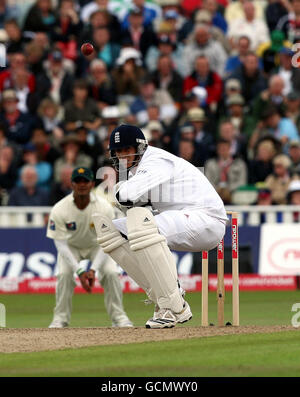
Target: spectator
262	164
166	78
250	77
142	37
264	197
286	70
46	151
292	108
61	189
204	76
202	44
235	10
155	132
81	110
278	182
274	11
293	198
56	81
166	46
41	17
290	22
294	154
50	120
217	18
225	172
149	13
238	142
15	40
101	86
7	12
92	149
43	168
29	194
8	169
251	26
271	97
105	49
187	150
236	59
148	95
71	156
276	126
18	125
127	73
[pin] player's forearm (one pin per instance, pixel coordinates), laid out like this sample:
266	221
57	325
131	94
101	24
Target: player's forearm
67	255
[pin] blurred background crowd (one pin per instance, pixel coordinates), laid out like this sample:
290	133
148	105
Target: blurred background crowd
216	82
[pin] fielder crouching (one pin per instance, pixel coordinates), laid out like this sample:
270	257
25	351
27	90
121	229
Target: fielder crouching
71	226
191	217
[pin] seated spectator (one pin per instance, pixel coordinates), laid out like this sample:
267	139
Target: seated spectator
81	110
35	54
46	151
71	156
43	169
29	194
67	28
16	40
61	189
202	44
251	26
273	124
236	59
236	114
276	9
18	125
8	169
165	77
218	19
17	61
250	76
203	138
99	16
41	17
127	73
187	150
148	10
17	151
92	149
289	23
235	10
262	165
148	95
238	142
142	37
272	96
105	49
293	198
204	76
50	120
294	155
225	172
155	132
56	81
292	108
167	45
101	86
278	182
172	14
264	197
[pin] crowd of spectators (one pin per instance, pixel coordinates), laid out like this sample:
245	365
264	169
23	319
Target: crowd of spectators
216	82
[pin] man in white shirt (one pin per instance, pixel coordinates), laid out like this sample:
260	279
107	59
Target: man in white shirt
71	227
191	217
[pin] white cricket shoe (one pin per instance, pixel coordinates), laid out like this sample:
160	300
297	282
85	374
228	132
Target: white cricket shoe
166	318
58	324
122	323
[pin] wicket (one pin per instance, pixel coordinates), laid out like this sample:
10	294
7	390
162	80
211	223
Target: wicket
220	278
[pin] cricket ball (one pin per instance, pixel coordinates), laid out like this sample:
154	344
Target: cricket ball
87	49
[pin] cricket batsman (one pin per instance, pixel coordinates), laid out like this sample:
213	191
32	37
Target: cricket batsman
190	216
71	227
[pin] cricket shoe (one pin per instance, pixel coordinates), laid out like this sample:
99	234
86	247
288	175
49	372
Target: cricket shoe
58	324
156	308
166	318
122	323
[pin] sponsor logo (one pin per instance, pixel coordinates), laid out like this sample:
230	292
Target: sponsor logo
284	255
52	225
117	137
71	225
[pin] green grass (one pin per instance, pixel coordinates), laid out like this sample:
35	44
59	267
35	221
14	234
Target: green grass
274	354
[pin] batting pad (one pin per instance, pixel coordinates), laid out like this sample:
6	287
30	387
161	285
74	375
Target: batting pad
154	255
112	243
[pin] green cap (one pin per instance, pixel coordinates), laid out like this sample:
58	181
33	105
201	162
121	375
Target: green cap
82	172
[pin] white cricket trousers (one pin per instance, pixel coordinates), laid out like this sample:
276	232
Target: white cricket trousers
185	230
108	277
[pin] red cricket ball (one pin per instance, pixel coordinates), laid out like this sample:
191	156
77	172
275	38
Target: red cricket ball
87	49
